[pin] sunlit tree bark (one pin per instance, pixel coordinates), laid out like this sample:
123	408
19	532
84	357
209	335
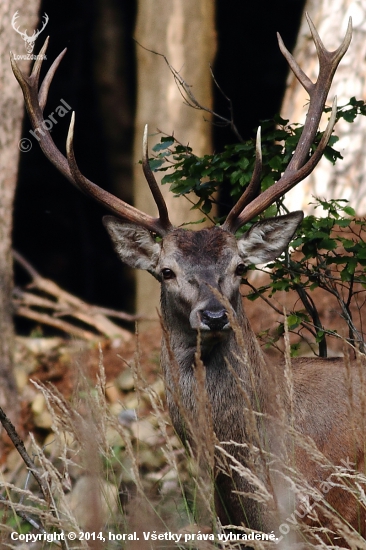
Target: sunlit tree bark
347	179
184	31
11	115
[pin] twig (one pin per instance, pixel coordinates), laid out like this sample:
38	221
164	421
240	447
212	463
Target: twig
189	98
63	309
56	323
188	152
310	307
268	302
63	304
23	515
19	445
231	109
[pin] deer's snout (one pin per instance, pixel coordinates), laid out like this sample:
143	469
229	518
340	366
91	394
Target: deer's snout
214	320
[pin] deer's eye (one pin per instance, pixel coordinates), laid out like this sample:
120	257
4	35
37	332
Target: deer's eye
240	270
167	273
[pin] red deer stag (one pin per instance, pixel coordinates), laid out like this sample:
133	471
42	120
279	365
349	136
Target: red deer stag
200	274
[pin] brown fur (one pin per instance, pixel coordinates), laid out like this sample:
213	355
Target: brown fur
206	245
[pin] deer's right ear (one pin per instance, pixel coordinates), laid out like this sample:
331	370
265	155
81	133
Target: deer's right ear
134	244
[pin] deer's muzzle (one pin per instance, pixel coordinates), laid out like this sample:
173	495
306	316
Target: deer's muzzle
214	320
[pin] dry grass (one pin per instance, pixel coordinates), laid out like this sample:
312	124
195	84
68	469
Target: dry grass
99	480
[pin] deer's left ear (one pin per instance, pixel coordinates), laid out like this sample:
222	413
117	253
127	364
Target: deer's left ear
267	239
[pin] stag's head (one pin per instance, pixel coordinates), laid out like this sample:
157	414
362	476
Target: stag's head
200	271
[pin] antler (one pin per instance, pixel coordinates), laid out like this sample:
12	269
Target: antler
300	165
35	102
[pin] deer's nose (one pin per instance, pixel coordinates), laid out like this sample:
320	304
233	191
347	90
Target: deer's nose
215	320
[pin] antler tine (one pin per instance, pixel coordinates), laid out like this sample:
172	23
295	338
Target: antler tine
114	204
300	165
35	102
251	192
45	86
341	50
295	68
154	188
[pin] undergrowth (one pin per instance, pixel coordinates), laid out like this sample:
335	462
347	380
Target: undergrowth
100	487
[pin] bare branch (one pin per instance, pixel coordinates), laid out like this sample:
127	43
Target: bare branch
190	99
66	304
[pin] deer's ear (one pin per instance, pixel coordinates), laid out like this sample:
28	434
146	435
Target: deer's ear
134	244
267	239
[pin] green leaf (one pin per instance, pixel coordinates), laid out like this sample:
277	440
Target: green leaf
165	143
345	222
271	211
155	164
349	210
206	207
328	244
294	349
267	182
244	163
276	163
293	321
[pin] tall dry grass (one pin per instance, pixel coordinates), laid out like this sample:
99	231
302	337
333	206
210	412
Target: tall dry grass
97	485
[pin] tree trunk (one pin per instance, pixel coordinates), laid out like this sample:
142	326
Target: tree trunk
11	115
347	179
183	31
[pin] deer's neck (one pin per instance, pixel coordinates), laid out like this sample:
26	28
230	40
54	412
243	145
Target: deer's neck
233	368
